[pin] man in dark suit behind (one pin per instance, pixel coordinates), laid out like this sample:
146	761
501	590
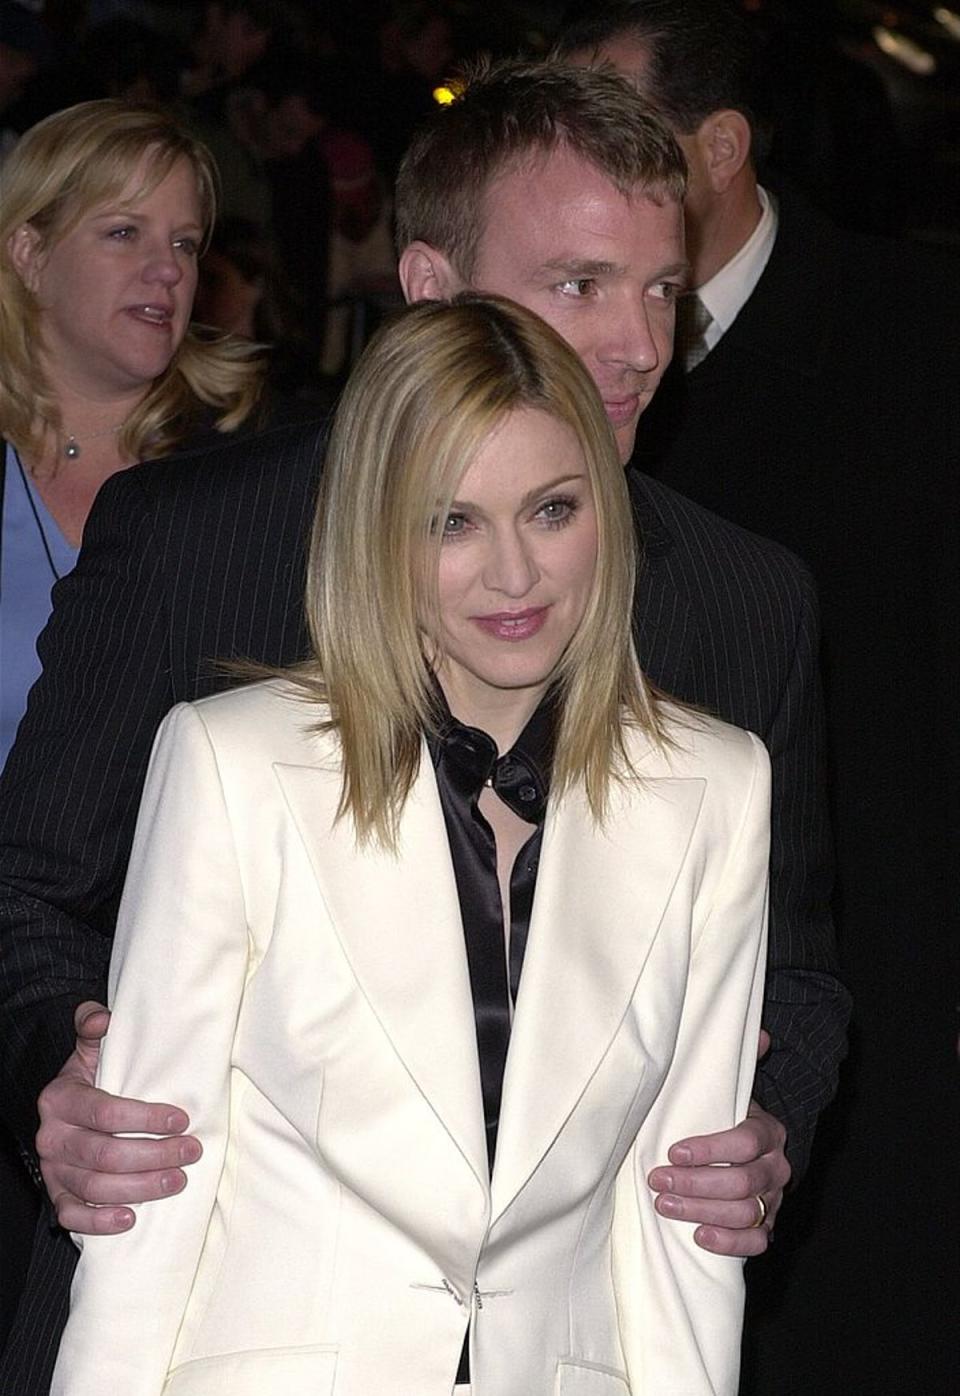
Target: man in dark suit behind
818	406
185	560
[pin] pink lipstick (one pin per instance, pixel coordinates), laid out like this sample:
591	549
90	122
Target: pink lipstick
513	625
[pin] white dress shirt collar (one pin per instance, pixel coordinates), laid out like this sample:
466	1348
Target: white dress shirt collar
729	289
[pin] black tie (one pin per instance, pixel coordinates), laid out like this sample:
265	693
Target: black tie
693	321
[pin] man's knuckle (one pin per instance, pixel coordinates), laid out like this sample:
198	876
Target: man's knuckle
63	1207
740	1182
53	1142
50	1099
85	1186
763	1134
105	1155
764	1179
96	1189
99	1115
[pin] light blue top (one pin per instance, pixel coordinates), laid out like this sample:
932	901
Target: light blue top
25	582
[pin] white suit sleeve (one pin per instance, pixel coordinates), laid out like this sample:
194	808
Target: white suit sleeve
176	981
681	1308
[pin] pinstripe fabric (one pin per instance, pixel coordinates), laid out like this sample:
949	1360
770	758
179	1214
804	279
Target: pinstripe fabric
729	621
203	556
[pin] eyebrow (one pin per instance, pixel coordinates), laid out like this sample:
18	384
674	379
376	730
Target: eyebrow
532	495
576	267
118	208
129	211
581	266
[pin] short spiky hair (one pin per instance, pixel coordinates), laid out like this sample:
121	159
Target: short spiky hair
702	55
510	112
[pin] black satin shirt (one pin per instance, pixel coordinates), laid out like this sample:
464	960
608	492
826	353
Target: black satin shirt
465	760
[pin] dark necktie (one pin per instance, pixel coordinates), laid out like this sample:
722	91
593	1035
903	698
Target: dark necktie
693	321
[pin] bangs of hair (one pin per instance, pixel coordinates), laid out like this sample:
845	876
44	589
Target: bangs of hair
74	160
60	170
426	395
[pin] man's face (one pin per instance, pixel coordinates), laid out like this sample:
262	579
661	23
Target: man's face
630	56
603	269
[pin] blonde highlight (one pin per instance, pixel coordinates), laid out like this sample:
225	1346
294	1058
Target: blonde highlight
428	391
59	170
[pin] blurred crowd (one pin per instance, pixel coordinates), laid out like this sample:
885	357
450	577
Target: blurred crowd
306	116
308	109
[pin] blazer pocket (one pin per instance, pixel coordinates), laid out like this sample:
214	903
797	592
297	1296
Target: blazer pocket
589	1379
302	1371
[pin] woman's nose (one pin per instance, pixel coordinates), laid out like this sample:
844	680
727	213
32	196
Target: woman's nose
511	567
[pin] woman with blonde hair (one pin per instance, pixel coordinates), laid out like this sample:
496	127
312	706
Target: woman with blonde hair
440	938
105	209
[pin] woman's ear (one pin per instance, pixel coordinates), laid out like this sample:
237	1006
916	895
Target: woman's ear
427	274
725	140
25	248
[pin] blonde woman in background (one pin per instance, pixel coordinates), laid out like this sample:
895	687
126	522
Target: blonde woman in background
441	938
106	208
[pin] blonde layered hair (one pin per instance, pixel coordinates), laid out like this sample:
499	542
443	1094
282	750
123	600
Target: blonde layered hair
425	396
60	169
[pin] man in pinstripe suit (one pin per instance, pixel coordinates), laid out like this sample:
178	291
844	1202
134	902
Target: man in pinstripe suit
203	556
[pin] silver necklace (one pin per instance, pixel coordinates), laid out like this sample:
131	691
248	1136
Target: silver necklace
71	447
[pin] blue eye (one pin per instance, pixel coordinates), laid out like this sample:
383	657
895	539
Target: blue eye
559	511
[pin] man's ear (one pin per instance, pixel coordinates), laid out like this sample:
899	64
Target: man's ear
724	138
24	245
426	274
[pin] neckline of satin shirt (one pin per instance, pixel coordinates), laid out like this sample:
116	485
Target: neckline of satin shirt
465	760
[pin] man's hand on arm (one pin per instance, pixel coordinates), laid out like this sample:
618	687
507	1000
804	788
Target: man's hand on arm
722	1201
90	1175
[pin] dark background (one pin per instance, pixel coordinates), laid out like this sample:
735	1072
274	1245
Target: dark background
854	1297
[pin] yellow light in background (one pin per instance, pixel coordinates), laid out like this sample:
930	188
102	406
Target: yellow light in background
447	94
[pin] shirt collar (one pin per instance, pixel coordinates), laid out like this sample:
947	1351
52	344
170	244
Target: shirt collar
729	289
467	756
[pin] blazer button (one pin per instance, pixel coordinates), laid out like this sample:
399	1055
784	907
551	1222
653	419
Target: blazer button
527	793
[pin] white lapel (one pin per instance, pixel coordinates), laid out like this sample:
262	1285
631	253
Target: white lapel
398	920
599	904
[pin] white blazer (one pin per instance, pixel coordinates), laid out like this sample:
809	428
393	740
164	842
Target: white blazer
308	1002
